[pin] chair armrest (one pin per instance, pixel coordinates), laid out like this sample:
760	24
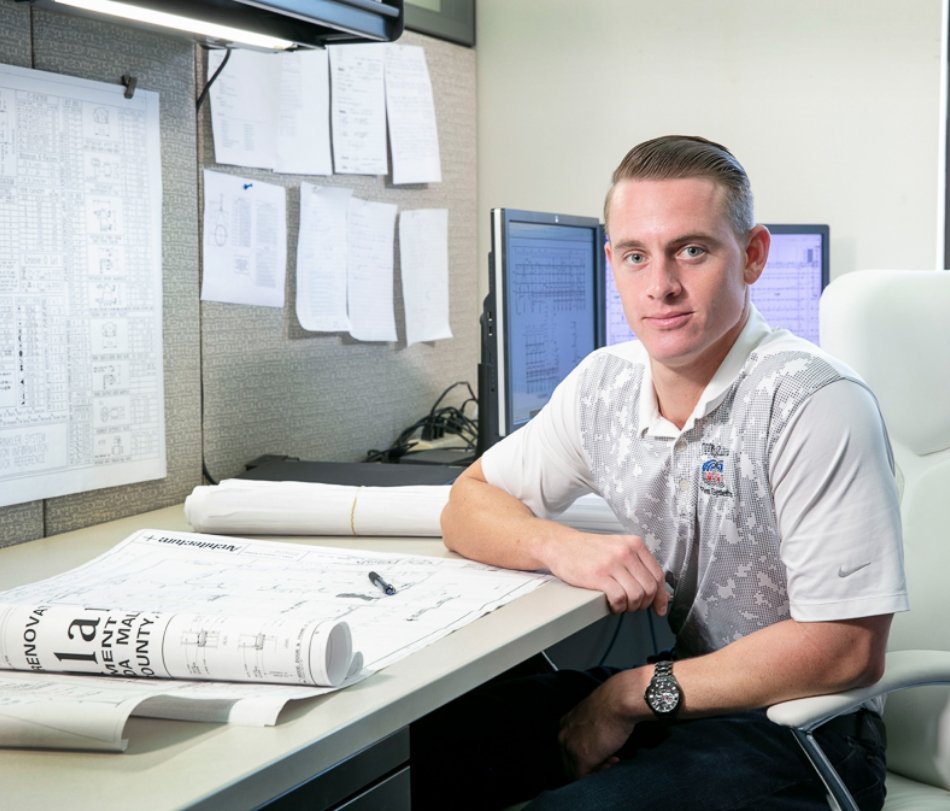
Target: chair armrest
902	669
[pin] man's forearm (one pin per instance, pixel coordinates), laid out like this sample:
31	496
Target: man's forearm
484	523
784	661
487	524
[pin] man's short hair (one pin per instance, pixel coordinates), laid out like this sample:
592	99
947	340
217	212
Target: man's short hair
675	157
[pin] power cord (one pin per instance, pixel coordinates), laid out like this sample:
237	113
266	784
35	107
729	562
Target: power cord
613	639
440	421
204	92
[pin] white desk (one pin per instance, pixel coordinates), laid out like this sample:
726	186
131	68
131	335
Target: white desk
177	764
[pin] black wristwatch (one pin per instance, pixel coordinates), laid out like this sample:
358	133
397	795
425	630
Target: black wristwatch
663	694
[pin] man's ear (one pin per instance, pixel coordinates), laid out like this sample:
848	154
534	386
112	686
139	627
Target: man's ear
756	253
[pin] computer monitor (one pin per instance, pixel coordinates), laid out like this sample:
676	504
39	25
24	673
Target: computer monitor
542	315
786	293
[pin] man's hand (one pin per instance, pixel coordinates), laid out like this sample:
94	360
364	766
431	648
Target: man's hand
595	730
621	566
485	523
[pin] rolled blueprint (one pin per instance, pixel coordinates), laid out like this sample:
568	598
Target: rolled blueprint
254	507
78	639
304	508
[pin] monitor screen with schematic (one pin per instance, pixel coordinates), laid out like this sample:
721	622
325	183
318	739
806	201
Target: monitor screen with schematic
542	315
552	301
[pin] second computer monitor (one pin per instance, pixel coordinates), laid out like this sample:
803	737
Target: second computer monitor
787	292
542	315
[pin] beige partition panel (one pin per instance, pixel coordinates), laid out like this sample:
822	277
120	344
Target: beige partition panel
272	387
242	381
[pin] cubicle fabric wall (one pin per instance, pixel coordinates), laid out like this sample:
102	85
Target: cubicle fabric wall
272	387
242	381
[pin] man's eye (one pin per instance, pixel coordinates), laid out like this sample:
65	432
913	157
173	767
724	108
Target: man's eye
634	258
693	251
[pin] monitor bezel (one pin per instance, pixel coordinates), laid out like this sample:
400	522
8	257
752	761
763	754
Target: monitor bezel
797	228
495	412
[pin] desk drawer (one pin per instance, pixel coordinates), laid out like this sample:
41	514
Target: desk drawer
352	783
391	794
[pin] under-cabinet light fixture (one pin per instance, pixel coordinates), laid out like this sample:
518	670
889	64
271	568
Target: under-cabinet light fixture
214	31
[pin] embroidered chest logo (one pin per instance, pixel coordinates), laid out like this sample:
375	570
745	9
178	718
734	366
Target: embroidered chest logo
713	472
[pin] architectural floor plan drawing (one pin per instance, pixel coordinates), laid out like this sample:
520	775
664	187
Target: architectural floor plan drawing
225	616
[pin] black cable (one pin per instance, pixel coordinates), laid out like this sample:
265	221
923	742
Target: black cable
438	422
207	473
201	370
613	640
204	92
656	646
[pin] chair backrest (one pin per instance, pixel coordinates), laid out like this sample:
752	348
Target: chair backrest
893	328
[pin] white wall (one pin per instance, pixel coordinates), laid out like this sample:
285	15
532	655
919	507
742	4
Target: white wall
833	106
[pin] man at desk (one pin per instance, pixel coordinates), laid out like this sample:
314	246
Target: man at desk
755	479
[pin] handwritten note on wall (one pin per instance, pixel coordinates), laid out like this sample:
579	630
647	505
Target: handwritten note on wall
424	262
321	259
369	270
274	111
290	113
359	109
345	267
412	126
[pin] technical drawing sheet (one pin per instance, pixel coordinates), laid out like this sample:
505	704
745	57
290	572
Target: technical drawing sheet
245	240
62	711
171	603
81	387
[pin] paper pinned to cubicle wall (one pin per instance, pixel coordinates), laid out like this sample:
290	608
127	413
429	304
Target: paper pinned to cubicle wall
370	243
410	109
272	111
303	128
322	258
244	108
358	113
81	388
244	242
424	264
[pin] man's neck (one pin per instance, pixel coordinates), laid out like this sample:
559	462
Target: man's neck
677	394
678	388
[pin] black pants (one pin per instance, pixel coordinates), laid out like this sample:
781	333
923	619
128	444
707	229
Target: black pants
498	745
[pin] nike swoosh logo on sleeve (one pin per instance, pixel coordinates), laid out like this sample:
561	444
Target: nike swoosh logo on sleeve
842	572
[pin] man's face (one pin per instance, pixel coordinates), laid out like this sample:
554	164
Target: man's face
680	270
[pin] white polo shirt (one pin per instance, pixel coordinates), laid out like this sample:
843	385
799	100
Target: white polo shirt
776	499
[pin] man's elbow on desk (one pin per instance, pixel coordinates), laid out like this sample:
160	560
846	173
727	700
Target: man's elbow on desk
484	523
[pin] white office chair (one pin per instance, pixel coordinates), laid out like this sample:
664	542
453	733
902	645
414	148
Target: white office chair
893	328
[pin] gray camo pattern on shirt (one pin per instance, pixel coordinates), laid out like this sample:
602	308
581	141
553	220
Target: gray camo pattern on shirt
702	502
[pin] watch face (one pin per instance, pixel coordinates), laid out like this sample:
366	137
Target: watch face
663	697
663	693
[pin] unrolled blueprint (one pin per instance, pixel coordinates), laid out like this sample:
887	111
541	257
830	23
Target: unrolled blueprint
81	389
208	607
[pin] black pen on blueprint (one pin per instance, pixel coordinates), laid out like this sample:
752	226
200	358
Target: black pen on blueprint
382	585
